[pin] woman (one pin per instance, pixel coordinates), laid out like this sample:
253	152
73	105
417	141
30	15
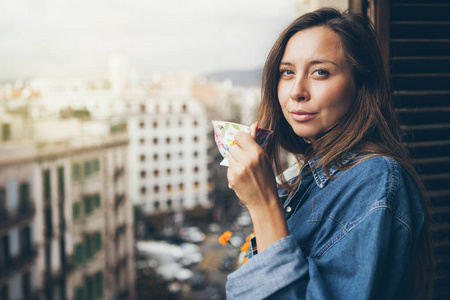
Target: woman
352	220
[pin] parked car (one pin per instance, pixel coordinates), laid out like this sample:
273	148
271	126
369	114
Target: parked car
192	234
213	228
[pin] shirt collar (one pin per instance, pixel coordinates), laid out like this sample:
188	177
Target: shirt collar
318	172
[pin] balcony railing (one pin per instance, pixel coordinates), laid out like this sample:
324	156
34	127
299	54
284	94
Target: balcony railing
17	263
24	213
118	172
119	199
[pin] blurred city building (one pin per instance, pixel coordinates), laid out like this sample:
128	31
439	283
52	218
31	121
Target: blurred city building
67	223
168	159
18	222
77	154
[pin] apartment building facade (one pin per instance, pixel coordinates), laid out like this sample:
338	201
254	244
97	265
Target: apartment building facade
168	152
18	215
87	234
66	219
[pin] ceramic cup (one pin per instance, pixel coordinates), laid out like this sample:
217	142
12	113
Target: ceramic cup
224	133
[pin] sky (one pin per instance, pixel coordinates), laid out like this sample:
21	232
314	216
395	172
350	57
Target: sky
74	38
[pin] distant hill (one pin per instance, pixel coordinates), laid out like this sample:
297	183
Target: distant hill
245	78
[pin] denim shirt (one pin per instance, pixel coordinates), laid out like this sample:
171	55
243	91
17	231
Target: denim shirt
350	237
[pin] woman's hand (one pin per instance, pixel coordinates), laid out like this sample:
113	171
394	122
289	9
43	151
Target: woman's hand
251	176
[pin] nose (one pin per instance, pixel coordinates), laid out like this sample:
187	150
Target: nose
299	90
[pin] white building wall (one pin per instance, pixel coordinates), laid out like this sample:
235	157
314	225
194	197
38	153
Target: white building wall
168	153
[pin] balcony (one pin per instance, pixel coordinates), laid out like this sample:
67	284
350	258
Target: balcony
24	214
121	229
18	263
119	199
118	172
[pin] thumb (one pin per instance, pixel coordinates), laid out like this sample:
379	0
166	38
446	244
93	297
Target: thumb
253	129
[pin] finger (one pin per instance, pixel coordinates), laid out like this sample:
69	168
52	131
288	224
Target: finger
230	176
237	155
244	140
253	129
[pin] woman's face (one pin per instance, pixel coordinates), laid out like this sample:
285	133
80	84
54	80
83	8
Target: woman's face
316	85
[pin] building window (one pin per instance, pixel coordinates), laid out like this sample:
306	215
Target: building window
195	139
169	203
195	123
76	172
180	123
141	124
91	167
3	211
142	157
155	141
6	131
4	292
181	170
91	203
76	210
195	169
96	163
155	124
181	187
61	182
142	108
184	108
168	140
143	174
156	189
156	173
180	154
25	241
180	139
46	175
169	188
196	185
156	108
168	156
168	171
99	285
142	141
156	205
170	108
80	293
143	190
26	286
24	197
195	154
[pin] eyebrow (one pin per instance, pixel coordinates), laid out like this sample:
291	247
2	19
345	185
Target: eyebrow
311	63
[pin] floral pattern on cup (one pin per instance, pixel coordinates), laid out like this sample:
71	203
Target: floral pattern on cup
224	133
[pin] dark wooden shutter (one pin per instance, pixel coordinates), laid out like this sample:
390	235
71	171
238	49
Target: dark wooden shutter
420	80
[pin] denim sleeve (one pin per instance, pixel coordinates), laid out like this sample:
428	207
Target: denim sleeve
356	266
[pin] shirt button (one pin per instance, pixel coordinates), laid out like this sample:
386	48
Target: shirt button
288	209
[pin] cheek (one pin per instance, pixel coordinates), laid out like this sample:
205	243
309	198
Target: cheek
283	95
341	99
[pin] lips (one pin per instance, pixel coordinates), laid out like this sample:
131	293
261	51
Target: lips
302	116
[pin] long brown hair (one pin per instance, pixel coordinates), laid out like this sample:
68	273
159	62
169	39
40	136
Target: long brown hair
369	128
